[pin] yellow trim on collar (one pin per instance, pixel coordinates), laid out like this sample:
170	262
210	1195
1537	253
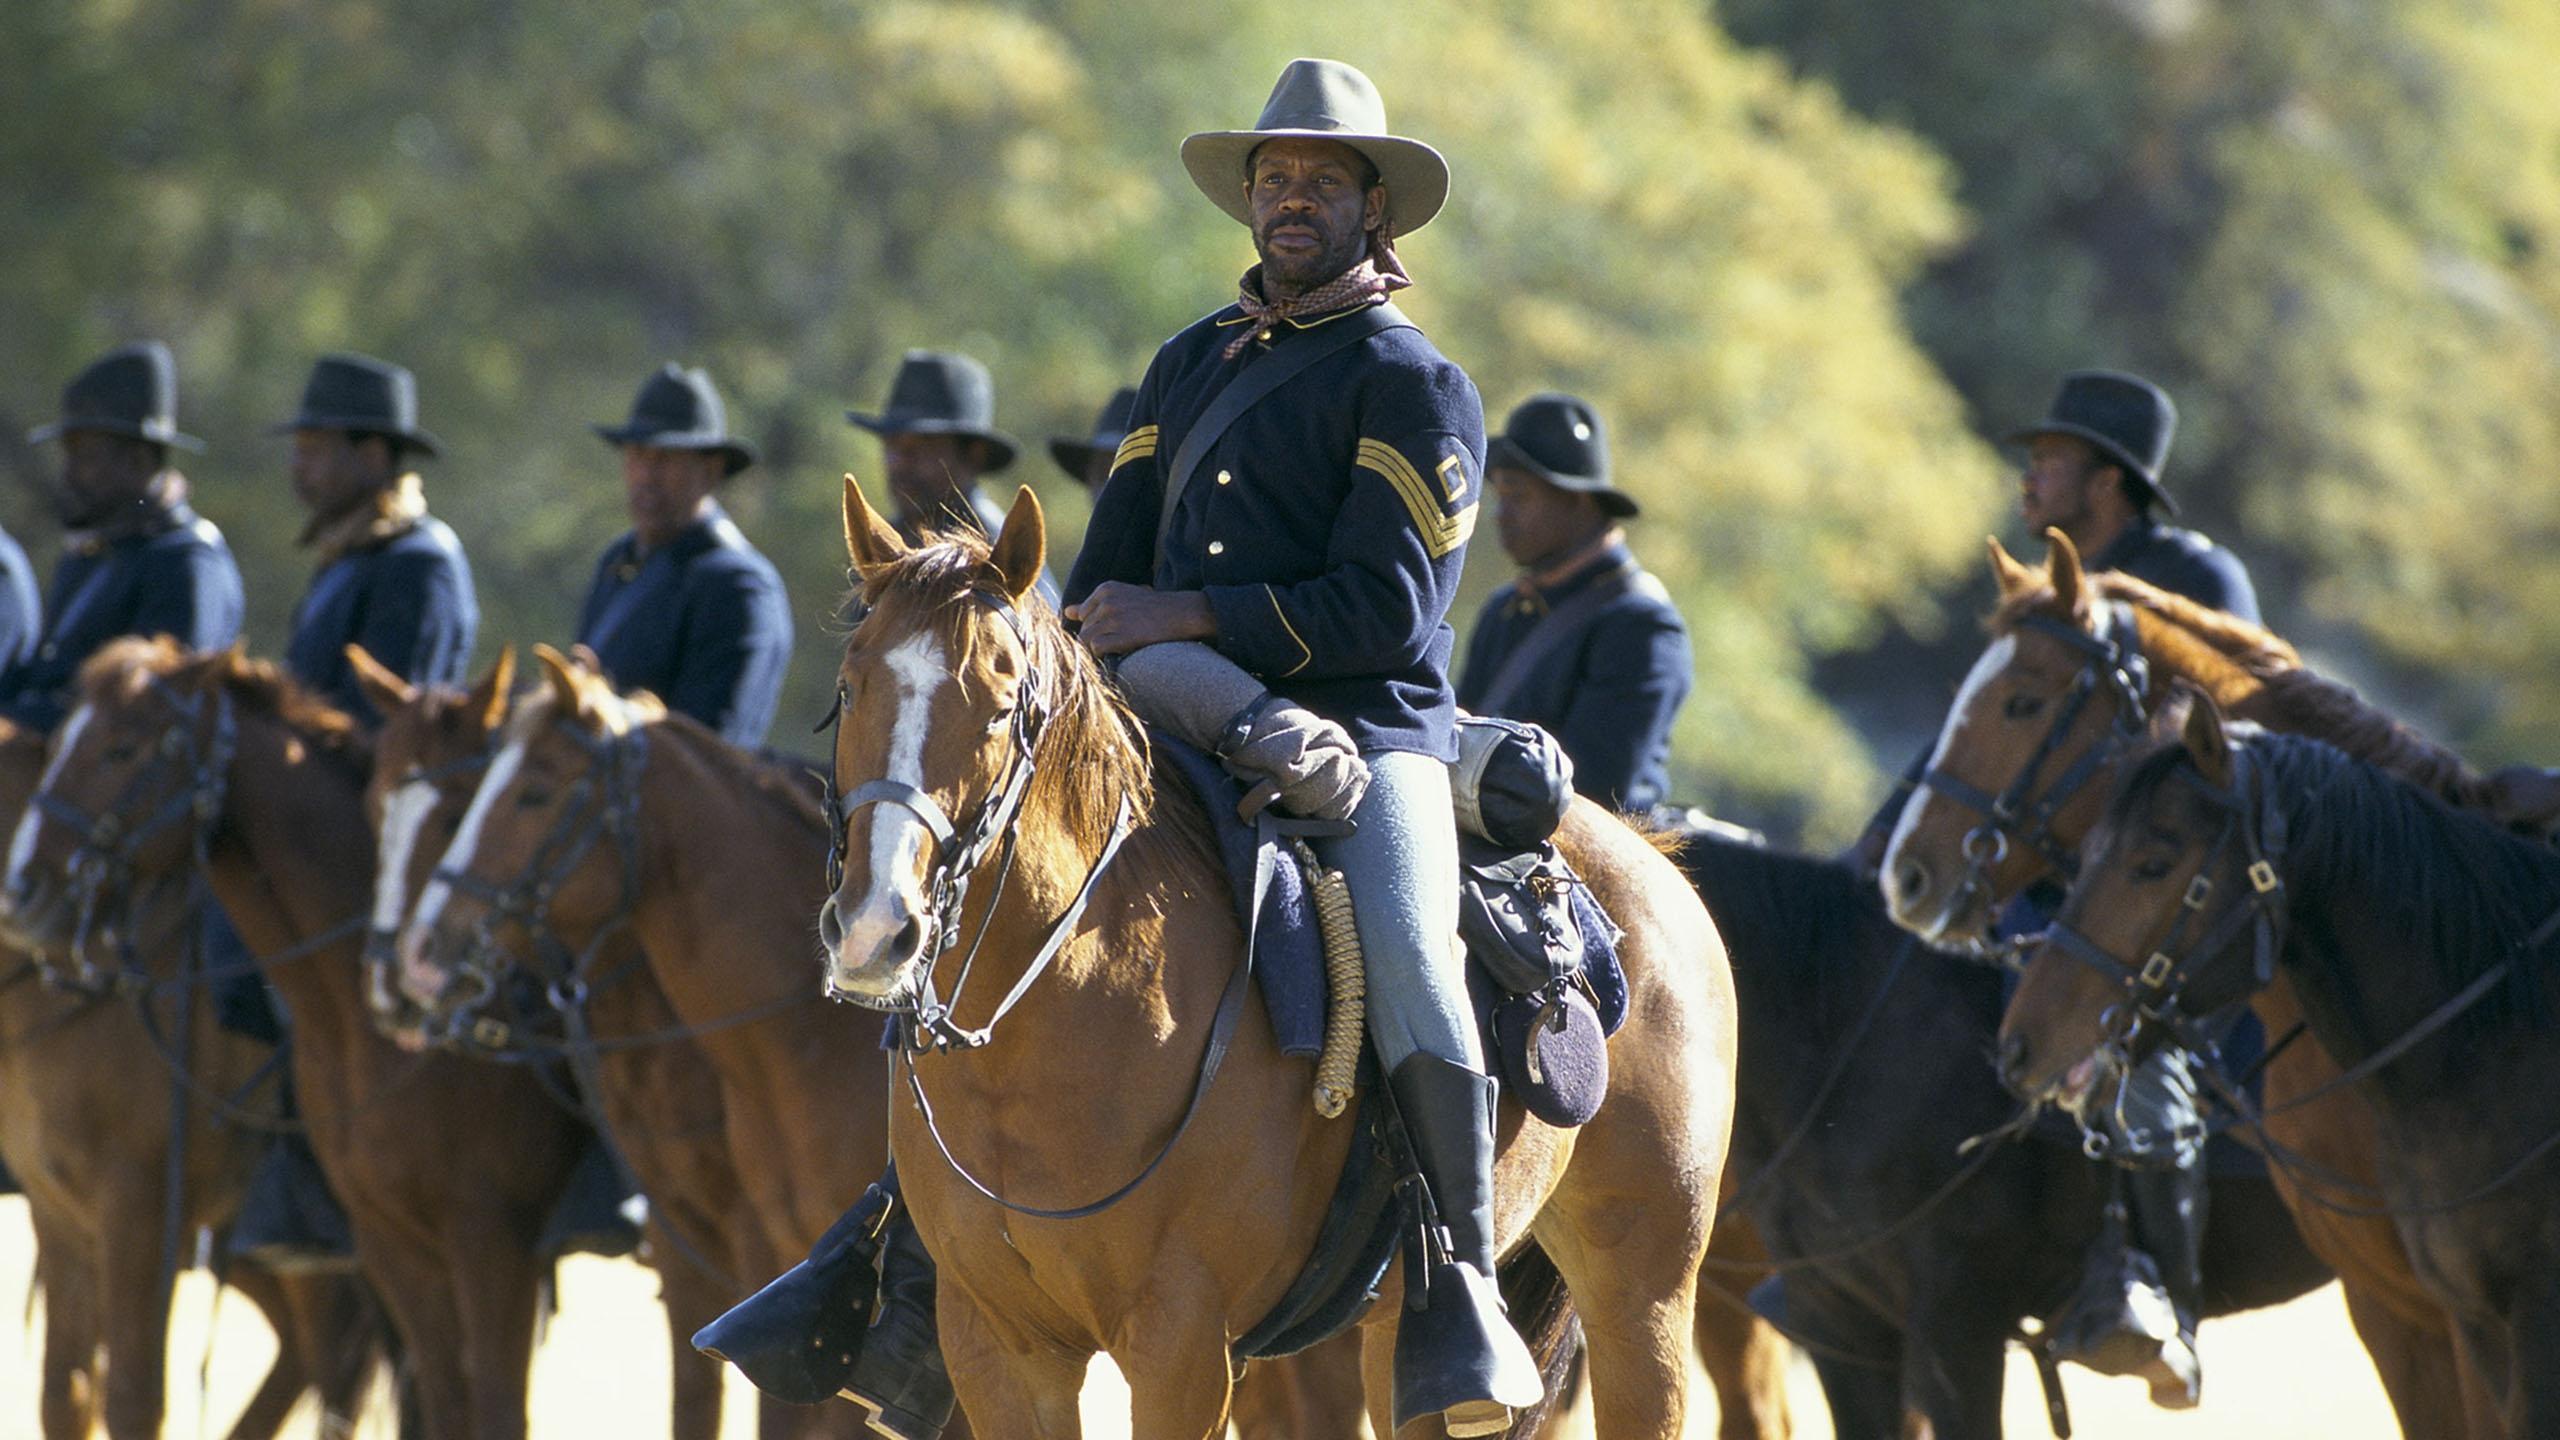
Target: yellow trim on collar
1441	532
1138	444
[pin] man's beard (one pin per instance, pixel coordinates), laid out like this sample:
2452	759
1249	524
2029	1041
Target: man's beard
1297	274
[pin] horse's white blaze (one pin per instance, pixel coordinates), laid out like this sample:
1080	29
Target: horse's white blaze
898	838
1985	670
403	816
22	844
457	856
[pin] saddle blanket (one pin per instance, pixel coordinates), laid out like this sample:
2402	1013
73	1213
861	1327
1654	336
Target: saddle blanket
1288	960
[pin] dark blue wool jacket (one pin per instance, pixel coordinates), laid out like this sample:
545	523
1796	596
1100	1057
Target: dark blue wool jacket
2183	563
21	608
1326	527
174	576
406	599
702	622
1608	691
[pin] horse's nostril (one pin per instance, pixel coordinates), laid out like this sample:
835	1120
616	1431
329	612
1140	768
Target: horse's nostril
1910	881
831	926
910	939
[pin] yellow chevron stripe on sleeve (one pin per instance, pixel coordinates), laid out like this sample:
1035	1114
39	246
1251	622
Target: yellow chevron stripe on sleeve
1441	532
1138	444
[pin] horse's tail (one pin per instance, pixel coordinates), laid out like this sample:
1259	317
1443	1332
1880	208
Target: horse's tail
1542	1309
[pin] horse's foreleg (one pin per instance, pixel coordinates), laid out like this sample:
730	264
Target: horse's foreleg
1312	1395
2416	1362
421	1299
69	1407
495	1279
1034	1390
134	1318
1638	1299
289	1375
1744	1358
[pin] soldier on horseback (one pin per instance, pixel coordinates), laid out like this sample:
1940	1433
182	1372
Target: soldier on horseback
1586	643
392	579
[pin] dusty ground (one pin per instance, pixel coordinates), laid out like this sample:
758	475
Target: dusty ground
602	1371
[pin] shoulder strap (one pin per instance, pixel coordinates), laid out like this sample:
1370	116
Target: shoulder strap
1262	375
1552	630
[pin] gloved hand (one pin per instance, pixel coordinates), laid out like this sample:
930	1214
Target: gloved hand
1290	756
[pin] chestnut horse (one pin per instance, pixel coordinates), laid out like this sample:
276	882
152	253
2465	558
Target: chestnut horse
447	1167
86	1112
957	676
656	1097
2075	664
724	873
2416	939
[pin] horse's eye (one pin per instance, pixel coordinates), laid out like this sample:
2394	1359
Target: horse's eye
532	797
2151	870
121	752
2022	707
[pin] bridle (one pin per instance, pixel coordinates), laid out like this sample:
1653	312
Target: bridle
925	1022
2253	823
602	804
381	957
2110	663
102	861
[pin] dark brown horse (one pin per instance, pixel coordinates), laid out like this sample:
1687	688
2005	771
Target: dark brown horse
2416	941
655	1093
2017	729
1076	1088
447	1167
86	1123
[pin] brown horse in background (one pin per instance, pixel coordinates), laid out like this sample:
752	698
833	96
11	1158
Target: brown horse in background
659	1095
656	1098
86	1114
447	1167
1085	1081
1949	868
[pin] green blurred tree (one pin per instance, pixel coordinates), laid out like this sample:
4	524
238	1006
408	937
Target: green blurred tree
534	205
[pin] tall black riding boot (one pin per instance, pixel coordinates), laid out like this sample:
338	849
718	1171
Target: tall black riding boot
2166	1210
1456	1354
290	1221
898	1374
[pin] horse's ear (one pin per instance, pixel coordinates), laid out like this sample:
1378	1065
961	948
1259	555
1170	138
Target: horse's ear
2007	571
869	541
2062	562
1022	547
488	699
2207	741
385	690
568	696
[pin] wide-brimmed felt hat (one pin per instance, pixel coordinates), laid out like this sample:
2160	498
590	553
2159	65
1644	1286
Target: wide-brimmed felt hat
2129	420
937	392
131	390
359	393
1109	428
1559	439
1323	100
680	409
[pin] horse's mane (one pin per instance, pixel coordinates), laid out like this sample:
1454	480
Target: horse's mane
2451	883
787	780
2253	674
1095	750
118	672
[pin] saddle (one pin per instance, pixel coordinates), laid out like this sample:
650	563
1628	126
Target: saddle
1541	942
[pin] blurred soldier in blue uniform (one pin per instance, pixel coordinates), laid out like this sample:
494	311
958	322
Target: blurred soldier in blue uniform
391	577
393	580
1088	460
1586	642
683	606
937	437
135	559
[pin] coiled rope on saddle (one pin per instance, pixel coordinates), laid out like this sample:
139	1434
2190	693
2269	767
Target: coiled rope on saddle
1346	984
